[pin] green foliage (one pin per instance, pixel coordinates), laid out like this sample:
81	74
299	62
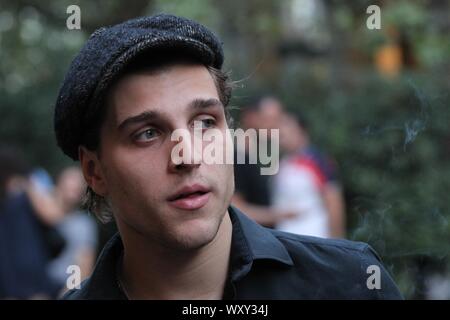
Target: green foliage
391	141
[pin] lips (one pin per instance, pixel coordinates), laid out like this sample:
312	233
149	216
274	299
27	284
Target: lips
190	197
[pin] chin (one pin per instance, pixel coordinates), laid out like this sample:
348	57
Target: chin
195	235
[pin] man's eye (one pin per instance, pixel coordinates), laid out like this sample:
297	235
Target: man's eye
147	135
207	123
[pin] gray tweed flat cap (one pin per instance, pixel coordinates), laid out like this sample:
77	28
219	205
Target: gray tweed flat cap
107	52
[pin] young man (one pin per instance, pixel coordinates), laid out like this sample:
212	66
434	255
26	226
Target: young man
127	91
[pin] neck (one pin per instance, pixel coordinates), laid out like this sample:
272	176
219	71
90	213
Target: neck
163	273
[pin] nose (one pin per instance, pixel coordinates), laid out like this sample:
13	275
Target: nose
186	151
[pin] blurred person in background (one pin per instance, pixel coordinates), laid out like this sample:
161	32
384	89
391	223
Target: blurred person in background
27	217
252	193
78	229
307	184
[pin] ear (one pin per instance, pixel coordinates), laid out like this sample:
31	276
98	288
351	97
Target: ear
92	171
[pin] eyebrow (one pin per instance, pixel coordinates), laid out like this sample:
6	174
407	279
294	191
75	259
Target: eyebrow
151	115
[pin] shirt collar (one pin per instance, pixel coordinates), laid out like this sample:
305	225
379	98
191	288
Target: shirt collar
104	283
250	242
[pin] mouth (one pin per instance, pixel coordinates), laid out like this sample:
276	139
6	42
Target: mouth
190	197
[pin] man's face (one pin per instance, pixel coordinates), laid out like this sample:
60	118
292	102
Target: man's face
270	113
293	137
141	182
268	116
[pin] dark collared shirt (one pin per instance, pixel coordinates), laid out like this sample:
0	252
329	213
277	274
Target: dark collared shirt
268	264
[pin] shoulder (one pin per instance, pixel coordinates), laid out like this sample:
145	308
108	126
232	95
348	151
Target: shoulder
341	267
303	243
338	253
